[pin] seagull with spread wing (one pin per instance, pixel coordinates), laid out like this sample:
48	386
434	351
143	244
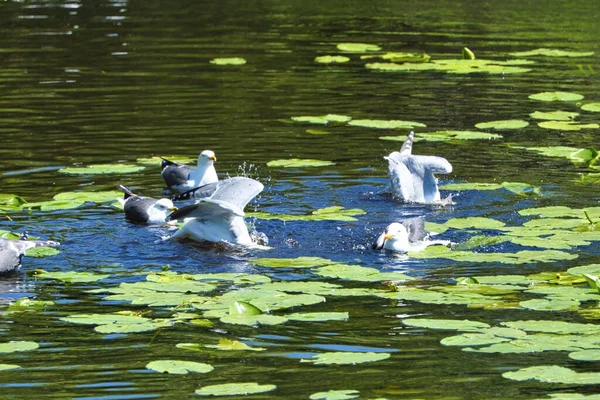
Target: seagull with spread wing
219	216
412	176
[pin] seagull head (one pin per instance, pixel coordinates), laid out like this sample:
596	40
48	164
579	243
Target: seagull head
158	211
206	158
394	234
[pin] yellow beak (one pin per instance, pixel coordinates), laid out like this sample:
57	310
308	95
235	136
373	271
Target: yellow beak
173	208
388	236
214	158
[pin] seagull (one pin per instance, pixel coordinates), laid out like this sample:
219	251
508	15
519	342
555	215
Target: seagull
184	177
220	216
12	251
145	210
405	236
412	176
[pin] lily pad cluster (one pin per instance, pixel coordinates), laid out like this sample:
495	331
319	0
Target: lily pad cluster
334	213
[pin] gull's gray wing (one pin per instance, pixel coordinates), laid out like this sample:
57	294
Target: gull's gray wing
237	191
435	164
416	229
136	209
200	192
406	148
175	173
406	178
207	209
11	252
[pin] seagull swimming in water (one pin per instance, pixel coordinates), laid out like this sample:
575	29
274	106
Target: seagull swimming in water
145	210
405	236
412	176
184	177
219	217
12	251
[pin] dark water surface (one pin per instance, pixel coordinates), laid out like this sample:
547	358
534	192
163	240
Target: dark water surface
95	82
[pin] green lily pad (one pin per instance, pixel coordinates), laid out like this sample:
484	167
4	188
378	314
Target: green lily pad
335	395
6	367
99	169
446	136
551	53
399	57
156	161
323	119
386	124
586	355
554	115
17	346
553	326
39	252
519	188
233	345
228	61
299	163
473	339
244	308
554	374
556	96
503	125
592	269
358	273
318	316
334	213
332	59
474	222
566	125
179	367
593	107
300	262
235	389
461	66
554	151
11	202
69	277
550	305
344	358
104	319
357	47
27	304
445	324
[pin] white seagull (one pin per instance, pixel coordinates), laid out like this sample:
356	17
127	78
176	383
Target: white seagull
219	217
145	210
408	235
12	251
412	176
184	177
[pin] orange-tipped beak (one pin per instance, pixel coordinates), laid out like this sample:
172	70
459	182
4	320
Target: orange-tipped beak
214	158
388	236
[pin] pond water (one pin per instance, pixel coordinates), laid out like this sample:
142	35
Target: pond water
97	82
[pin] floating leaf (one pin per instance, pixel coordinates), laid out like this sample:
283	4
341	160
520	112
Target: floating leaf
554	374
398	57
446	136
299	163
335	395
233	345
386	124
357	47
244	308
316	132
593	107
332	59
449	324
318	316
554	115
16	346
156	160
300	262
519	188
102	169
70	276
461	66
503	125
234	389
473	339
556	96
179	367
27	304
552	326
228	61
551	53
342	358
323	119
553	151
358	273
334	213
474	222
550	305
585	355
6	367
566	125
467	54
39	252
